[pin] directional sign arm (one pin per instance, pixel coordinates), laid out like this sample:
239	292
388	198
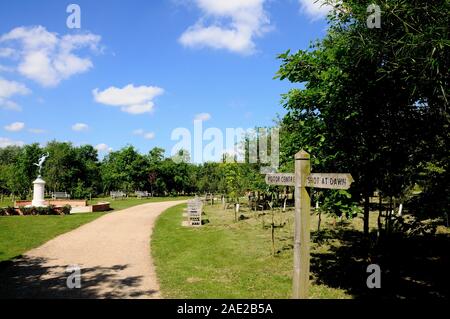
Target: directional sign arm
329	180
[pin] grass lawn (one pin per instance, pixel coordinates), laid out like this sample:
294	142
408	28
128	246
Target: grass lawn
19	234
225	259
228	259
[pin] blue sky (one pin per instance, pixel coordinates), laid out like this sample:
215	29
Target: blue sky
136	70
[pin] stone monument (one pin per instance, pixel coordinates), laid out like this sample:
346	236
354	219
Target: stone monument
39	185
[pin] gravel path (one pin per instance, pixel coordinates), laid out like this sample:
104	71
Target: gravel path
113	253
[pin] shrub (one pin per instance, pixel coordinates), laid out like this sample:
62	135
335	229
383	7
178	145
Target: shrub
41	210
11	211
66	210
28	211
32	211
52	210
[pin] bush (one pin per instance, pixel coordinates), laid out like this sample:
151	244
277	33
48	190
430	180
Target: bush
411	226
66	210
41	210
33	211
11	211
28	211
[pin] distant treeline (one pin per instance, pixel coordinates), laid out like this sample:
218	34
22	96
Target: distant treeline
78	171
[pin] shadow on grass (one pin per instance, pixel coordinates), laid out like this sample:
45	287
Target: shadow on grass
412	268
34	278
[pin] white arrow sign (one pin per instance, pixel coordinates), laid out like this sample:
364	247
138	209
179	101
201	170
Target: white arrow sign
329	180
316	180
281	179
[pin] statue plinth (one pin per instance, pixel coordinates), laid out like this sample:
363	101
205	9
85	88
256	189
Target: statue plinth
38	193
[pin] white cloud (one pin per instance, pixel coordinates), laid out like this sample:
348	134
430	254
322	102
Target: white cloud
80	127
46	57
9	105
139	132
4	68
149	136
315	9
202	117
6	52
130	99
15	127
246	20
36	130
5	142
103	148
9	89
143	133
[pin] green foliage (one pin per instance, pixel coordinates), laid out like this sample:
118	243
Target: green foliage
374	102
43	211
8	211
240	265
339	204
66	210
79	172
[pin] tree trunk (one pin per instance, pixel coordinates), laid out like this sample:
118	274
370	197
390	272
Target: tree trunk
380	212
273	239
320	220
389	216
366	214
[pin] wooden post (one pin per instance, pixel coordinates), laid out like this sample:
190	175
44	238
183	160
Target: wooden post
301	179
302	227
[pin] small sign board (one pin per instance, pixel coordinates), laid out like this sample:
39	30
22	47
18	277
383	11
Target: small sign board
280	179
329	181
316	180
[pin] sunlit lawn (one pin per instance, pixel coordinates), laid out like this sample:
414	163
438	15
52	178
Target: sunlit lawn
228	259
19	234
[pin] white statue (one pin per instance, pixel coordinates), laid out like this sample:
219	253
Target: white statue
41	161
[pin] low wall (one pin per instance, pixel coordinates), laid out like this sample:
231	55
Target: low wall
56	202
100	207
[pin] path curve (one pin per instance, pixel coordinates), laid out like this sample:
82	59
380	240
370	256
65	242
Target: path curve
113	253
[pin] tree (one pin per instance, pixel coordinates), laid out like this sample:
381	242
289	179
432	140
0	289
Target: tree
8	157
156	155
87	172
369	94
24	172
208	178
60	169
125	169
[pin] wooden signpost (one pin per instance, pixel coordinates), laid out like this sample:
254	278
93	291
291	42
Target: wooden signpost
302	179
320	180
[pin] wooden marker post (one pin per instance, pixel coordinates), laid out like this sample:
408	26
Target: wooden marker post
300	180
302	222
